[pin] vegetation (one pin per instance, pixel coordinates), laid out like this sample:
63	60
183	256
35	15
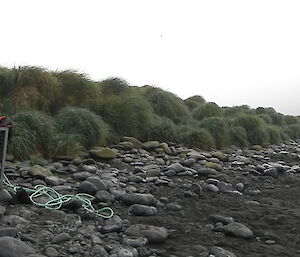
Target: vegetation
65	112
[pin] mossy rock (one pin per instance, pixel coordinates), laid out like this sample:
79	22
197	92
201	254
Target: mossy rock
151	145
103	153
215	166
126	145
221	156
39	171
136	143
256	147
166	148
159	150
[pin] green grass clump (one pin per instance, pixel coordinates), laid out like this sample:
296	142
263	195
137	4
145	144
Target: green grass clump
166	104
206	110
40	125
23	142
274	135
161	129
218	128
83	124
194	101
255	128
198	138
238	136
68	144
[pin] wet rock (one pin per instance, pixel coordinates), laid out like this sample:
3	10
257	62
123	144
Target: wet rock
215	166
82	175
11	247
238	230
136	198
5	196
152	233
142	210
114	224
54	181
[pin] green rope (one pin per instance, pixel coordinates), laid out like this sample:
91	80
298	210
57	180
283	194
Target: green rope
55	200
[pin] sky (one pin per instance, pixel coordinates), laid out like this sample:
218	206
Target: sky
230	52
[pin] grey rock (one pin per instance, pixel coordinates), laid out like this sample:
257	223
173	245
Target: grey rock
51	252
197	189
136	198
89	168
60	238
2	210
151	145
105	196
82	175
220	218
238	230
13	220
152	233
176	167
213	188
223	186
99	251
221	252
125	251
173	207
54	181
135	241
114	224
142	210
87	187
98	182
271	172
212	181
5	196
11	247
8	231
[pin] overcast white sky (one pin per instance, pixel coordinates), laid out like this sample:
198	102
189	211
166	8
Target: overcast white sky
230	52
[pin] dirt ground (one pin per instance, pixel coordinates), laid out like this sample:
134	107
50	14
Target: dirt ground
277	218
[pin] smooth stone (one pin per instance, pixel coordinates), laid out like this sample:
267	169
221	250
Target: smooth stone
60	238
176	167
13	220
151	145
212	181
223	186
126	145
142	210
220	218
89	168
2	210
87	187
271	172
166	148
98	182
114	224
5	196
54	181
213	188
238	230
11	247
221	252
135	241
51	252
82	175
205	171
8	231
215	166
125	251
197	189
136	198
134	141
104	196
98	250
152	233
173	207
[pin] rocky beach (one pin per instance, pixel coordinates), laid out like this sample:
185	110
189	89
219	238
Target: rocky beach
168	200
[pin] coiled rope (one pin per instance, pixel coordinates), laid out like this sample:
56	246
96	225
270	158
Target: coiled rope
53	200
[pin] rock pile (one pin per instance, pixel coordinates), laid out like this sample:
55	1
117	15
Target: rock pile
169	200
